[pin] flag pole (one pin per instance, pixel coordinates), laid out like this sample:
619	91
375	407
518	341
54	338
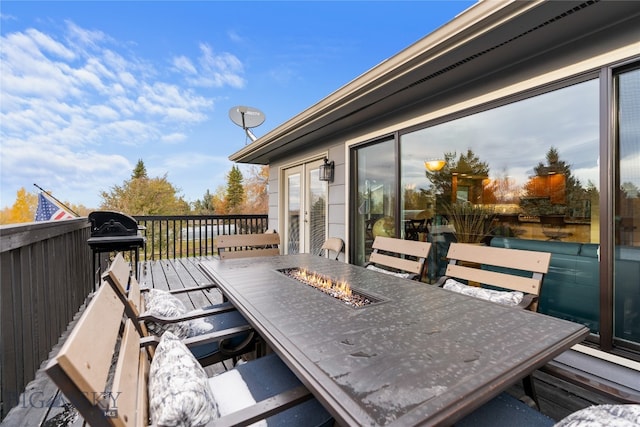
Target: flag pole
51	195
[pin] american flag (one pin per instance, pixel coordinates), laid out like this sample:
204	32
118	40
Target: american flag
48	210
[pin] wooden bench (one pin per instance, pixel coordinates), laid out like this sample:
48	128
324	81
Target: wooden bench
247	245
406	258
104	372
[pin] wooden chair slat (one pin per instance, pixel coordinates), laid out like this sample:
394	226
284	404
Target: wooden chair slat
407	265
232	246
249	253
84	358
120	268
400	255
124	394
503	280
406	247
501	257
142	407
239	240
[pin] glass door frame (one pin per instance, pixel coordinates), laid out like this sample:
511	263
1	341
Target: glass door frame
305	170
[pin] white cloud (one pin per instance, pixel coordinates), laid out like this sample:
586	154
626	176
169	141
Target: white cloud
215	69
184	64
73	104
47	44
174	138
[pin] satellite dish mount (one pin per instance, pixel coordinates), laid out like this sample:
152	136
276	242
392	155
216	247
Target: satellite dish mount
247	118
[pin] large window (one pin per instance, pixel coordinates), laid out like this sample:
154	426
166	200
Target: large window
523	175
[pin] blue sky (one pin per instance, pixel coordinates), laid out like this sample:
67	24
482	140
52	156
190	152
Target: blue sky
88	87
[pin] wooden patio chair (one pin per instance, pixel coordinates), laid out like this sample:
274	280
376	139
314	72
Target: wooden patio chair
247	245
112	381
170	314
403	258
332	244
505	276
501	269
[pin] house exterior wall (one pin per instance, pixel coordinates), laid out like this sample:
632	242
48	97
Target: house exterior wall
591	56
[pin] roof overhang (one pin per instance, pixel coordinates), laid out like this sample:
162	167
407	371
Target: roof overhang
480	41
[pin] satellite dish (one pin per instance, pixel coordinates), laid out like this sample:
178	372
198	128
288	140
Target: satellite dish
247	118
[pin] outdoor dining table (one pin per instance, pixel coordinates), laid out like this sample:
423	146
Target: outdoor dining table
417	355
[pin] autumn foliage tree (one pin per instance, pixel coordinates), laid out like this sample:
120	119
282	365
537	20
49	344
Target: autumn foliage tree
22	210
142	195
256	195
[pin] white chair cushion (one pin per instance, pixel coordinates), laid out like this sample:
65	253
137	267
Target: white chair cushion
163	303
382	270
510	298
603	416
179	393
231	393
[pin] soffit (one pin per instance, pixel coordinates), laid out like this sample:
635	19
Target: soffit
479	42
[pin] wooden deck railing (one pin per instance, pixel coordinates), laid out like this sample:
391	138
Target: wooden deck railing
46	275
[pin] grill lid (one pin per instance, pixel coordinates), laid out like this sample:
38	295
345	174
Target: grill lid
112	223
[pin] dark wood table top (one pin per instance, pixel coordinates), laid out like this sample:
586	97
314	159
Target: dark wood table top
422	355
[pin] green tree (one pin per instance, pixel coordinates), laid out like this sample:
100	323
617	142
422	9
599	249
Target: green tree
140	171
206	205
235	191
141	195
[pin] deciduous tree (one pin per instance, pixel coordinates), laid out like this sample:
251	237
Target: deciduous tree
22	210
141	195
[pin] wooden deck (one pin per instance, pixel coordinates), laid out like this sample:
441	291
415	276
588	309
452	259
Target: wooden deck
42	405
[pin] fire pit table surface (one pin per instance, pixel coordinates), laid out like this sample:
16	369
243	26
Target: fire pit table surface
421	354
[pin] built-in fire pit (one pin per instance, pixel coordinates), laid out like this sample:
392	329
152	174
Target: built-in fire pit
337	289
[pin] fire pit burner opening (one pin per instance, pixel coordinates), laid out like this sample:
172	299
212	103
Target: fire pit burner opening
337	289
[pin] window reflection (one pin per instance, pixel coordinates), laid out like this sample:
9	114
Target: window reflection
376	196
523	175
532	165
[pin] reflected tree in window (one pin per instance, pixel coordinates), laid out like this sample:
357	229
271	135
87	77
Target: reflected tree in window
554	190
462	179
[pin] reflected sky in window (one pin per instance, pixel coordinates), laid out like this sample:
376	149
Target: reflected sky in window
514	138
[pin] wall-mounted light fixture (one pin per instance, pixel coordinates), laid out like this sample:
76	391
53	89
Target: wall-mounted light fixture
326	171
434	165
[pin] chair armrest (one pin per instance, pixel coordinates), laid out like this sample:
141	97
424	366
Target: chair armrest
204	287
194	314
527	301
264	408
441	281
217	336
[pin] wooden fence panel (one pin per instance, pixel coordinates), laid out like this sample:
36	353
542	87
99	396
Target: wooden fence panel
45	271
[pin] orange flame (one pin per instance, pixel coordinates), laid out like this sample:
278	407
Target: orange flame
341	288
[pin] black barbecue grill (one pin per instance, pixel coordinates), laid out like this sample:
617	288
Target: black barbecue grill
114	231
